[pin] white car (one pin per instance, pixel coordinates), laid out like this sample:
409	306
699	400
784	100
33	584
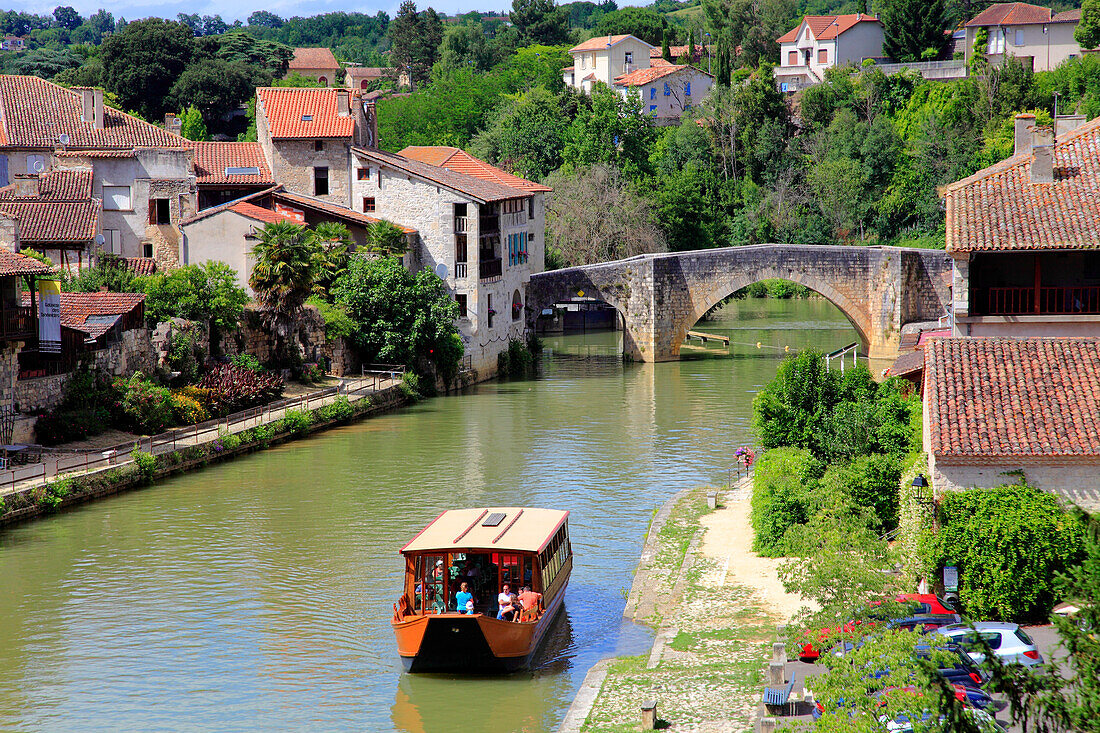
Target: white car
1008	641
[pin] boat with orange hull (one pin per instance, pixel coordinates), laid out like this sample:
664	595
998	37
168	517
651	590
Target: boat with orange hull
441	628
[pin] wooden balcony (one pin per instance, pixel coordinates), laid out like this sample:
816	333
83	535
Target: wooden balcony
487	269
18	323
1050	300
462	224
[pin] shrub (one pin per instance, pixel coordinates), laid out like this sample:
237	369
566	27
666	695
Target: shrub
782	486
229	440
55	493
233	388
338	409
338	324
1009	544
146	407
295	421
247	362
410	386
517	362
312	373
185	356
146	463
188	410
870	482
65	426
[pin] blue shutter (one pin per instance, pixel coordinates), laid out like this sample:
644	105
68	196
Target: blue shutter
687	88
668	91
653	92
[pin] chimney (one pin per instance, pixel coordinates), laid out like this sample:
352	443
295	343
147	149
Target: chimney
172	123
1064	124
26	185
342	105
1042	166
371	125
87	108
97	109
1025	123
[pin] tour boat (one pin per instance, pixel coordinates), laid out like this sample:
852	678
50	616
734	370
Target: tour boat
487	549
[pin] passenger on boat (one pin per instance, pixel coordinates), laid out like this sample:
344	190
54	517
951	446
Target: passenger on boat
506	603
464	599
529	599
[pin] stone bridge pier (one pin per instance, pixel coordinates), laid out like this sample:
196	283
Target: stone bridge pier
660	297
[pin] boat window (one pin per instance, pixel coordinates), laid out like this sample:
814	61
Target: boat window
510	571
431	574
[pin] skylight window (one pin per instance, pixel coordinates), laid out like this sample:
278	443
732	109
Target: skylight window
231	170
307	118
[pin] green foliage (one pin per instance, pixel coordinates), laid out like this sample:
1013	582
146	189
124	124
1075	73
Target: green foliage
208	293
415	39
387	239
517	361
783	480
403	318
643	23
109	272
85	409
192	125
609	129
295	422
283	277
338	324
55	493
334	240
145	407
410	386
217	87
540	22
1087	32
914	29
1009	543
338	409
185	355
248	362
143	60
146	463
525	135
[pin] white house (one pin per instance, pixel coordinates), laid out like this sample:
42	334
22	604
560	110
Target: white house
1036	35
667	90
604	59
823	41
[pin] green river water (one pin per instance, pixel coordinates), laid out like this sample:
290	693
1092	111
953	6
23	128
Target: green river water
256	594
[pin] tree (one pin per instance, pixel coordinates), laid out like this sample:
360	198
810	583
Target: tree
386	238
415	39
643	23
142	62
464	46
265	19
208	293
282	279
216	87
67	17
1087	32
592	215
526	135
666	54
402	318
192	126
913	29
334	241
540	21
47	62
610	129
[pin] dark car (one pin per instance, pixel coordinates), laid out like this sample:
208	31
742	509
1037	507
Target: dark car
925	622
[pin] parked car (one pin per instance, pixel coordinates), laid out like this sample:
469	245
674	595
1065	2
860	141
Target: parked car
1008	641
925	623
913	604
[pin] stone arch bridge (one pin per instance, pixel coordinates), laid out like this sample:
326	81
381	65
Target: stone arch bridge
661	296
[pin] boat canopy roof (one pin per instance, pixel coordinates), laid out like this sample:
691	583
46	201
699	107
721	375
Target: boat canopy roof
501	529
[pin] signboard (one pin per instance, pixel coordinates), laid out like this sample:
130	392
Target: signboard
49	316
950	578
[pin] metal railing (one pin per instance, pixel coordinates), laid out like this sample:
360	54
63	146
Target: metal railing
1054	300
190	435
842	352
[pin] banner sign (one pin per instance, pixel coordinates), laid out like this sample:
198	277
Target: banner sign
49	316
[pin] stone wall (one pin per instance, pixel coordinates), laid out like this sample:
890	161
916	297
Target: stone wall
1071	480
661	297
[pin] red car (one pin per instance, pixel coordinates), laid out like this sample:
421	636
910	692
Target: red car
915	604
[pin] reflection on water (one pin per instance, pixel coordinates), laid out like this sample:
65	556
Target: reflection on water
257	594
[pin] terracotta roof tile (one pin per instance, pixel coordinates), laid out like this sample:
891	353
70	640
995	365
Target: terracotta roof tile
477	188
57	185
13	263
304	112
907	364
999	208
599	43
77	307
334	209
313	58
647	76
141	265
827	27
54	222
458	160
212	159
1010	14
1013	398
268	216
35	112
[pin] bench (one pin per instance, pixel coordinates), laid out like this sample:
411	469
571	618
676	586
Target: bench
777	698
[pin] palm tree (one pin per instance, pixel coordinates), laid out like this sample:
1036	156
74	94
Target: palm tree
333	241
386	238
283	277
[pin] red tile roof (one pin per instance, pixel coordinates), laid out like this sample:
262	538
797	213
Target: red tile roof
141	265
57	185
13	263
335	210
313	58
827	27
48	222
660	62
459	161
1033	398
213	158
479	189
907	364
678	51
599	43
36	112
640	77
268	216
1000	209
304	112
1010	14
76	308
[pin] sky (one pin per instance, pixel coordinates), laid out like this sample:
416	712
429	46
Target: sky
134	9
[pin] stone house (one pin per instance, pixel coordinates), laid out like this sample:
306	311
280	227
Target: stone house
18	322
225	171
54	213
1021	236
361	77
315	63
307	134
480	228
667	91
997	409
820	42
1035	35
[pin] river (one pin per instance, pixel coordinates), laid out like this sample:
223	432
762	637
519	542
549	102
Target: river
256	594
